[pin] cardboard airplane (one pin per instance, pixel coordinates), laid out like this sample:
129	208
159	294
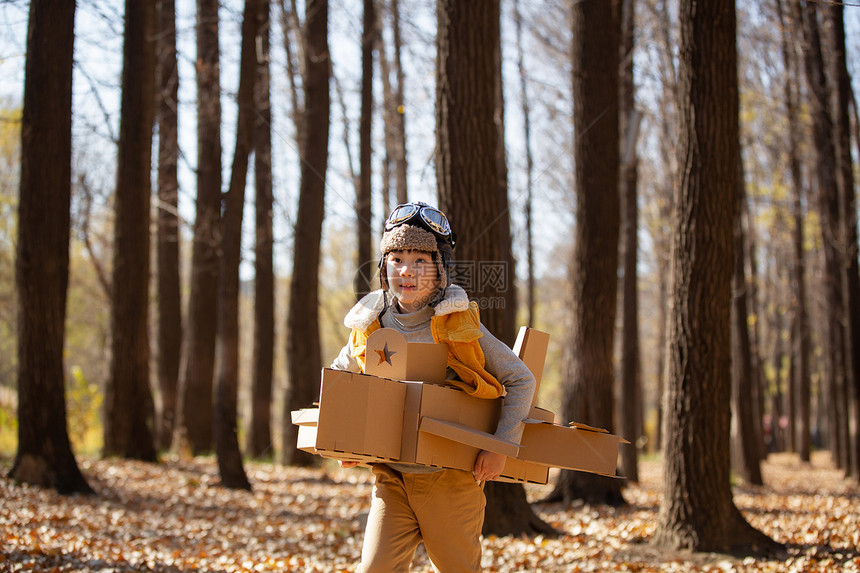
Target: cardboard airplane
400	410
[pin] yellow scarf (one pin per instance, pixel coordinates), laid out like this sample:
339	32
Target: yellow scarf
460	331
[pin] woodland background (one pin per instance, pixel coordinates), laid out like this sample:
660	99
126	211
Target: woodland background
182	283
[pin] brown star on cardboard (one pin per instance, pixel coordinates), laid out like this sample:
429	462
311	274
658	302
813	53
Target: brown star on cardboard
385	354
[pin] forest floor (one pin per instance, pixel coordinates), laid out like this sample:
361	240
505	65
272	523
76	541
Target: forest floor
174	517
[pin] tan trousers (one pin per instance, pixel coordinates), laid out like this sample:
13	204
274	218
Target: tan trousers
445	509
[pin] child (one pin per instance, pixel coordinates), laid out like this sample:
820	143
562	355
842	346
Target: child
411	503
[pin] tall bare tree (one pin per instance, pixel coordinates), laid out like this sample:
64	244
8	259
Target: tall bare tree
848	227
827	196
400	160
389	115
507	296
698	512
394	108
129	411
758	383
169	299
662	204
304	360
468	178
259	428
227	372
745	447
800	383
44	455
527	141
588	395
364	227
294	48
466	161
195	428
630	396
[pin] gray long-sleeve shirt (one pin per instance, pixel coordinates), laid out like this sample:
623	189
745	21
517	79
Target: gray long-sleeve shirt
500	361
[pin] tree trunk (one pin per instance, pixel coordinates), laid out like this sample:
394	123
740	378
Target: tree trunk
781	404
291	27
227	379
466	164
848	236
195	431
800	383
630	396
259	431
508	512
507	294
365	151
758	385
665	200
468	176
828	204
745	438
44	455
400	160
588	396
169	299
389	116
129	413
394	112
526	111
303	336
698	512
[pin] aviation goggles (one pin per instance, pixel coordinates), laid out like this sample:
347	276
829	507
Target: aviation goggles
425	215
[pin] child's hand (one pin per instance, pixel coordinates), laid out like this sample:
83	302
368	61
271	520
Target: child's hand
344	464
488	466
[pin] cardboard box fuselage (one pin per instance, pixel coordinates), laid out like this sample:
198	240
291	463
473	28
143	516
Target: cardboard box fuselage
369	419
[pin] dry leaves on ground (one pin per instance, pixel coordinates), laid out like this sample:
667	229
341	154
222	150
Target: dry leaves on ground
174	518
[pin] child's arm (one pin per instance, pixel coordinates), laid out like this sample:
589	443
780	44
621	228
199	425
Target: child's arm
519	383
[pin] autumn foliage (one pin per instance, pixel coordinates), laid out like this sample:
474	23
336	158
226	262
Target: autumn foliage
174	517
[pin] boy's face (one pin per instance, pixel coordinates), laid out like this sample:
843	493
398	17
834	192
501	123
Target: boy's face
412	278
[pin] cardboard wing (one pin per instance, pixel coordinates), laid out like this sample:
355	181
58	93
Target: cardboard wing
445	427
569	447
